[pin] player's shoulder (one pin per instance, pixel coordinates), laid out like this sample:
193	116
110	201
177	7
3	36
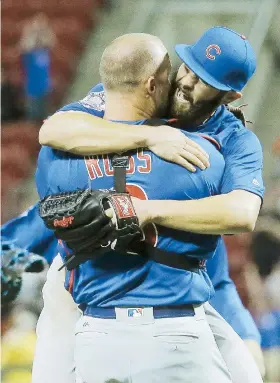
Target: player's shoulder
92	103
95	99
209	143
244	139
233	136
234	127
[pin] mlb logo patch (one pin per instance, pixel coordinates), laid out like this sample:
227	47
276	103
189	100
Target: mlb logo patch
135	313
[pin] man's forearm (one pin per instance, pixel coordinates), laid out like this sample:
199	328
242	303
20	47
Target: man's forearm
84	134
223	214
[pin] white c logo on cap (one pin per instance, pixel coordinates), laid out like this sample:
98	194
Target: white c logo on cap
214	47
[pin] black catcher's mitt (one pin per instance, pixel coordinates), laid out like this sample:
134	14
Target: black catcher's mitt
79	218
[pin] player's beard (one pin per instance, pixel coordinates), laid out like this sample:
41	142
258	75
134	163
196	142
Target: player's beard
187	112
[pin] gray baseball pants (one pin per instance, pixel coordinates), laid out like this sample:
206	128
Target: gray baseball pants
239	360
147	350
56	327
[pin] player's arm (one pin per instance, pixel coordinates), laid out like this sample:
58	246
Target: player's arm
233	212
79	129
28	231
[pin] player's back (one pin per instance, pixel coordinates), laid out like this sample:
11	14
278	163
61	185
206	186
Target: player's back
148	177
115	279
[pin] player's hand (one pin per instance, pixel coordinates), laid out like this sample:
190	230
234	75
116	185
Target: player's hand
172	145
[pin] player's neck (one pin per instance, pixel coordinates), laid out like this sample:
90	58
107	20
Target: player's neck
203	119
125	108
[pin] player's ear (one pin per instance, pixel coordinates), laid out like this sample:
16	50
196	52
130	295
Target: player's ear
231	96
151	85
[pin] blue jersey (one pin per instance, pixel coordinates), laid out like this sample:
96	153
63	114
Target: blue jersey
244	161
240	147
28	231
242	152
117	280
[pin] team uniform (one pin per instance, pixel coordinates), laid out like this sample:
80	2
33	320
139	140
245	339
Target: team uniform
122	288
243	156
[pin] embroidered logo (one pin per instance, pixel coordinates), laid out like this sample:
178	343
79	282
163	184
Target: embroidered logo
124	206
64	222
212	51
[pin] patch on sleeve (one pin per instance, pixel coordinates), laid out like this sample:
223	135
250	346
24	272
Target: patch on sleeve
94	100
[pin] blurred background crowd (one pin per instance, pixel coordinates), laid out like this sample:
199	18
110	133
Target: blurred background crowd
50	55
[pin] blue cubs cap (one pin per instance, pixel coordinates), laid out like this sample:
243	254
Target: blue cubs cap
222	58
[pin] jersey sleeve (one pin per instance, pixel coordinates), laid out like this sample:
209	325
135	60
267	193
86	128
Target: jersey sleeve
244	163
28	231
93	103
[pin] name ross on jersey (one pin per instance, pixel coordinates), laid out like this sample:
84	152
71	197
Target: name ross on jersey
100	166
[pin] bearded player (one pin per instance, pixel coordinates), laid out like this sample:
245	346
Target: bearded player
206	79
241	223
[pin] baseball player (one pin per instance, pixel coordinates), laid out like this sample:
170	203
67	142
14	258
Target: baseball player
47	184
82	106
237	209
209	61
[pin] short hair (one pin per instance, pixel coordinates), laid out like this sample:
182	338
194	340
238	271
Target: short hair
130	60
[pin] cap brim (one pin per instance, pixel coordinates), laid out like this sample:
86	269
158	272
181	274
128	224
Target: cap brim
186	55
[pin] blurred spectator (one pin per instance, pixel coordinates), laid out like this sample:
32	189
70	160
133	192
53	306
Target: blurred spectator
36	41
11	109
